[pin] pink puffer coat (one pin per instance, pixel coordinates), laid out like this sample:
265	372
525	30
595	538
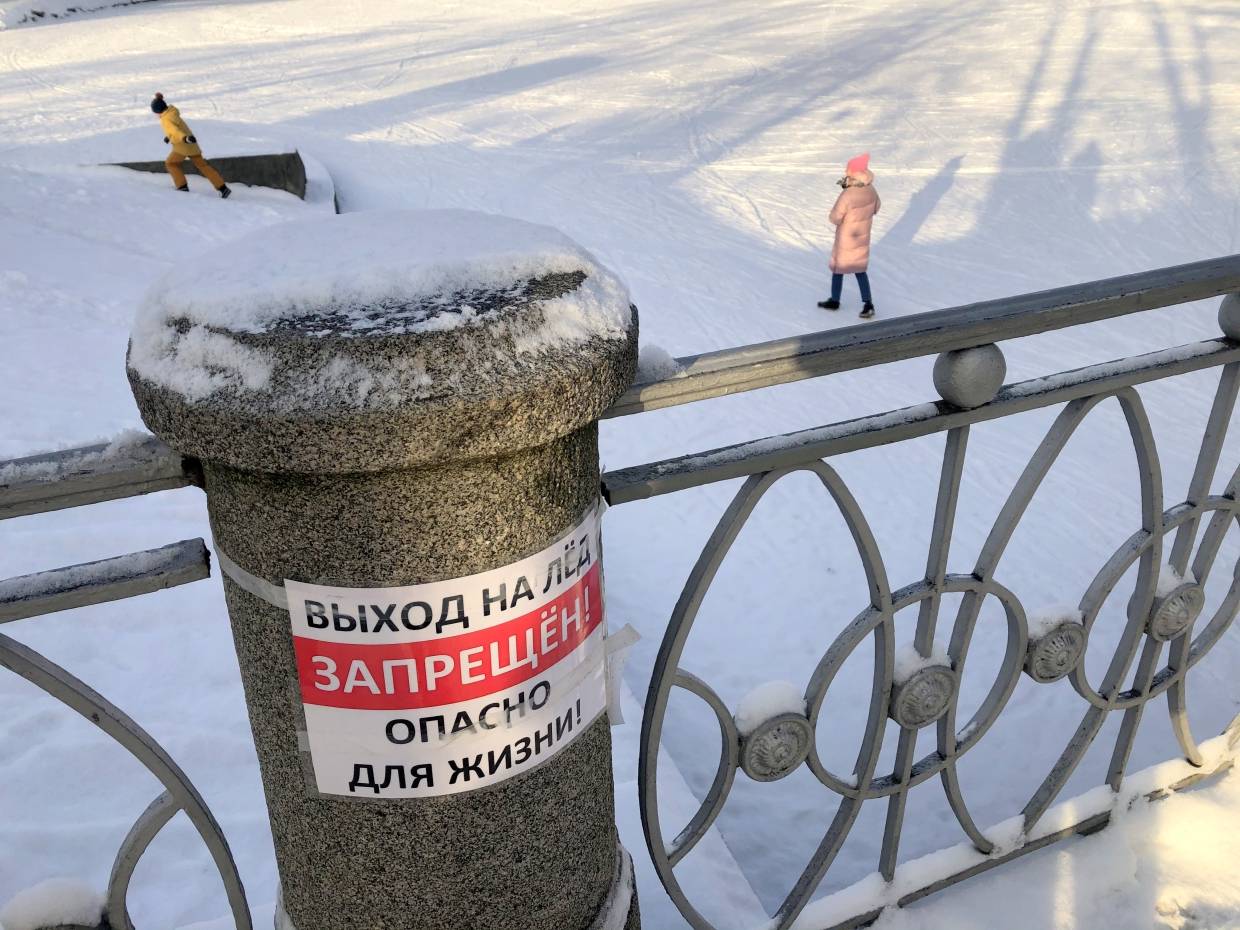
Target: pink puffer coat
853	214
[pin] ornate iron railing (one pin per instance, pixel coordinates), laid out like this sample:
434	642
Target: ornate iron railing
83	476
1174	550
969	375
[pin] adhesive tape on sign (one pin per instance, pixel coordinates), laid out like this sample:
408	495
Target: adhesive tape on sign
439	688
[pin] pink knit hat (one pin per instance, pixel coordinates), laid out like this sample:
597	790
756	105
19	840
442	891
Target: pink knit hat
859	167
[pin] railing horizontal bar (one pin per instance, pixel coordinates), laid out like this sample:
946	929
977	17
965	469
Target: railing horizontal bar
89	475
106	580
1084	827
781	361
642	481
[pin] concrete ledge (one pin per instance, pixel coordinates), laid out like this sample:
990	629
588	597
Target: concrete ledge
283	172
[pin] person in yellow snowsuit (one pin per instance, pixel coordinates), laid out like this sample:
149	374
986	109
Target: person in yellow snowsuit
184	146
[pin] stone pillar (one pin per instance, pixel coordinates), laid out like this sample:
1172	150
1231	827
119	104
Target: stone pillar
422	439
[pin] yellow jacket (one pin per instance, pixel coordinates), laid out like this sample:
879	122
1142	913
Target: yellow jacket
177	132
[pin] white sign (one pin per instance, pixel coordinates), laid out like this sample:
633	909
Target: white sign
444	687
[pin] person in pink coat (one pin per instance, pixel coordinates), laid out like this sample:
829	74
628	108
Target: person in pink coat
853	215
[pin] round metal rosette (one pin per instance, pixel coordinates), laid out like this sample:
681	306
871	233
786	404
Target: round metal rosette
923	697
1055	653
1175	612
776	747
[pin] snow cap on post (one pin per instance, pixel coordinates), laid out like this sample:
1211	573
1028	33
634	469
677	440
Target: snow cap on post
381	340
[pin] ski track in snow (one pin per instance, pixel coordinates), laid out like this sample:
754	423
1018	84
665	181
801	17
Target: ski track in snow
693	149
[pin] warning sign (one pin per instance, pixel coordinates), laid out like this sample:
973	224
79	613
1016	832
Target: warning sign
443	687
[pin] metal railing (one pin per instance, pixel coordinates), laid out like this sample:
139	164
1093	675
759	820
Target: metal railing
74	478
781	361
970	365
1172	553
90	475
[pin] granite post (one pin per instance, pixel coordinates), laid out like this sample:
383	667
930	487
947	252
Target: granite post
478	455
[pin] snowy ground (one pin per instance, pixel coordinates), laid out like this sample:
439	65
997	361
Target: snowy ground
691	146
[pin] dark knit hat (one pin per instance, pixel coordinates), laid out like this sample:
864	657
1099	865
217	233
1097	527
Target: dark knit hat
158	105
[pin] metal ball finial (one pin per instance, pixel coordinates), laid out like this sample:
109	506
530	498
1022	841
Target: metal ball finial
970	377
1229	316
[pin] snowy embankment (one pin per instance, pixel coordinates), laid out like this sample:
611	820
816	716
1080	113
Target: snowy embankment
692	150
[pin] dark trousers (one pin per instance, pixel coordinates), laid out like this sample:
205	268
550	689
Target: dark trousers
863	282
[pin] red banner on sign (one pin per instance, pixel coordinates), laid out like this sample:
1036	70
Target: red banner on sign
430	673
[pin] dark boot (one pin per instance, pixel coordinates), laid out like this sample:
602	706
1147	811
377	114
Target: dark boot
184	187
867	310
831	304
225	192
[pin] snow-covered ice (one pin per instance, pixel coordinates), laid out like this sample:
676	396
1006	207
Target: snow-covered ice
691	148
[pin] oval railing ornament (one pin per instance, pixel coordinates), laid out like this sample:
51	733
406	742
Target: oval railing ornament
915	694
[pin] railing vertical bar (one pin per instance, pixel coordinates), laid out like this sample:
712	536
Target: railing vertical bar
1216	531
846	813
906	748
1207	461
941	536
923	641
1045	794
1141	604
1199	487
139	837
1150	654
663	676
1177	697
958	651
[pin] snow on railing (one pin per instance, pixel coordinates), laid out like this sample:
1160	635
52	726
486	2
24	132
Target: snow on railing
138	463
736	461
131	464
105	580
